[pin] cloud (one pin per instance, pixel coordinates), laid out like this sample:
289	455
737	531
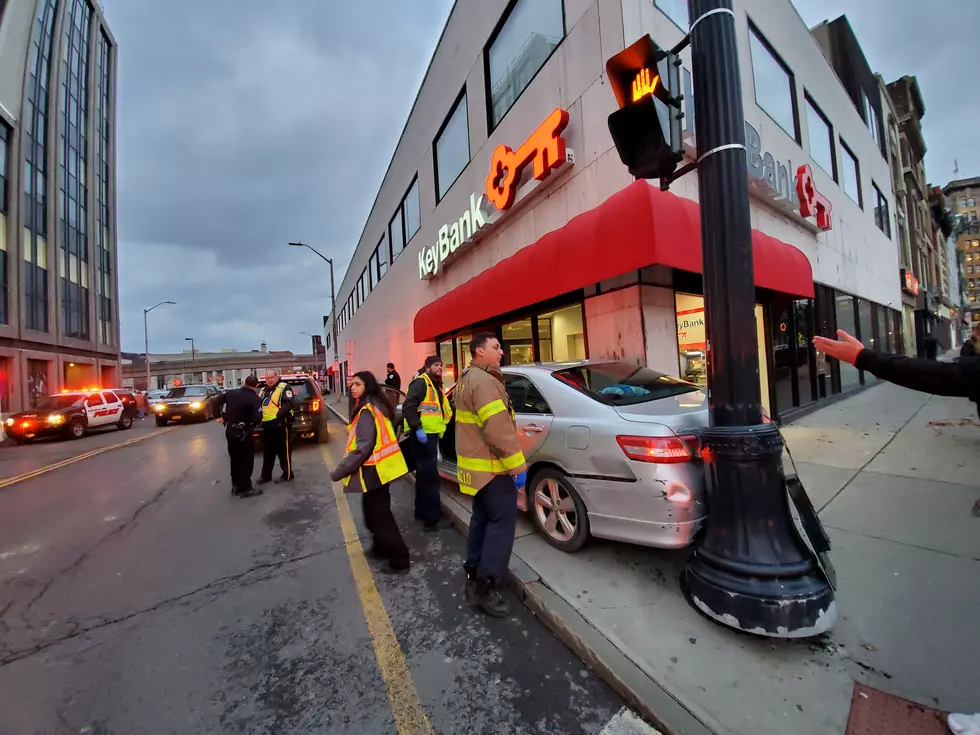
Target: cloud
242	125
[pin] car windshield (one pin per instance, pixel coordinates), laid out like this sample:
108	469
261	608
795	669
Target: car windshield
301	389
622	383
55	403
187	391
157	393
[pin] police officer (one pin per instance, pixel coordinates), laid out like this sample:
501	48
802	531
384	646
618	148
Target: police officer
277	417
492	468
427	413
239	411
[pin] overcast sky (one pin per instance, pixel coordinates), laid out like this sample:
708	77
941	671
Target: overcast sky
244	124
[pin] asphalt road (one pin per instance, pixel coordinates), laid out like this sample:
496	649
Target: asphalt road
137	595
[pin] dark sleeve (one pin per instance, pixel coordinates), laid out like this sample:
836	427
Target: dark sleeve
398	381
255	404
929	376
286	403
366	436
222	400
410	406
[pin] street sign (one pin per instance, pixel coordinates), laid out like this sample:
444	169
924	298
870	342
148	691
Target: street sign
647	126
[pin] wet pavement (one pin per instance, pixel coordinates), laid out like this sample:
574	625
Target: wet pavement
137	595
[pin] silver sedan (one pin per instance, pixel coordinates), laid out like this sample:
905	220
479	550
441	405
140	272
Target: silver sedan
611	450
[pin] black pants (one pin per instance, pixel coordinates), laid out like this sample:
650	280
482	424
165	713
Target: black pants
492	527
428	507
277	444
388	541
241	452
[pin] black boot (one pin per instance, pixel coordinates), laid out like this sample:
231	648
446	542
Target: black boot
469	592
489	599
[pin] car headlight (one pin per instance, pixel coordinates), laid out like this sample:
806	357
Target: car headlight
10	422
56	419
195	405
158	407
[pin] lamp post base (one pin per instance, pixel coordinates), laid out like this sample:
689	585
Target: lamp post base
752	571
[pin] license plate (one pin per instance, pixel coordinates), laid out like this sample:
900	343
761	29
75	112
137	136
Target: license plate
177	418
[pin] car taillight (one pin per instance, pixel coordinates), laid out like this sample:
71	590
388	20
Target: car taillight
316	405
658	449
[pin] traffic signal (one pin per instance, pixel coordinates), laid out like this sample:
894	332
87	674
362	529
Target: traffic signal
647	126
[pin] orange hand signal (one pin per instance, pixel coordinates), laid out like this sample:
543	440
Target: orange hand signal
644	84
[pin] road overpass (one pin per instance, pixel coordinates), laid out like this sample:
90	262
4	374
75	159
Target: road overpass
216	363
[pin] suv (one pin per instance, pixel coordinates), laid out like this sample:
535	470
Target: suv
309	416
71	414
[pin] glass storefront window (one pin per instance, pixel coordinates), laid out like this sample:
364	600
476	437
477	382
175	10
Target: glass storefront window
691	343
881	316
445	353
866	331
805	362
849	375
517	342
561	335
463	353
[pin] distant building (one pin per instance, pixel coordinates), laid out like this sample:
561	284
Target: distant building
59	312
961	196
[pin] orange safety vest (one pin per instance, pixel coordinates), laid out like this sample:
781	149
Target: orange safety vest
387	458
435	416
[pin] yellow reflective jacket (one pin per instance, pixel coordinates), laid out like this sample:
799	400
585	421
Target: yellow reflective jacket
433	414
486	432
386	457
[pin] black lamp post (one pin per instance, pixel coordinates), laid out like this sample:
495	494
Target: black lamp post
752	571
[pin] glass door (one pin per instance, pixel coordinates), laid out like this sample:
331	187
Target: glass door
518	343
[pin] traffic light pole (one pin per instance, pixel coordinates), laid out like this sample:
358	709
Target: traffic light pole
752	571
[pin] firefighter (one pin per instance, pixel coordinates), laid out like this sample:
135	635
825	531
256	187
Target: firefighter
277	419
492	468
427	413
372	461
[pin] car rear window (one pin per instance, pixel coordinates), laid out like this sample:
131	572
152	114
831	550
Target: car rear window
623	384
301	389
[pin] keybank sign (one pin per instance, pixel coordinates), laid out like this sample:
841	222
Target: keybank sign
452	236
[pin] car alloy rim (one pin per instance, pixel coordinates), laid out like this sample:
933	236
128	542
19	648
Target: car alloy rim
76	429
555	510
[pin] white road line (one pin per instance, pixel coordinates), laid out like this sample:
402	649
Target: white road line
627	722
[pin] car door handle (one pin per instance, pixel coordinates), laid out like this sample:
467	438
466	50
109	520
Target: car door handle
532	429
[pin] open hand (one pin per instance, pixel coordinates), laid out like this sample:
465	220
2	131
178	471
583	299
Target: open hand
845	349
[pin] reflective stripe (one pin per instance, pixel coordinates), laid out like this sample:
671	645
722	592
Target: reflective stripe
272	402
466	417
491	409
491	465
386	457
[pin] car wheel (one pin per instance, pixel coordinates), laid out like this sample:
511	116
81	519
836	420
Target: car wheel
558	510
126	422
161	421
76	429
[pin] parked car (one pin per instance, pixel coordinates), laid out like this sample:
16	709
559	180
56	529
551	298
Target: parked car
187	402
155	396
612	452
309	416
71	414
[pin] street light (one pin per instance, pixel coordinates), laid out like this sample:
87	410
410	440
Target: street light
333	298
193	352
146	339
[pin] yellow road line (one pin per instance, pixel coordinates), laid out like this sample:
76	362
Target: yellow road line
79	458
410	717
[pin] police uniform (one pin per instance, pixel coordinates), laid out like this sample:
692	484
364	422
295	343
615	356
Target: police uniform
277	417
240	410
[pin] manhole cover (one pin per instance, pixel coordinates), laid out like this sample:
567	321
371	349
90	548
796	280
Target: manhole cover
874	712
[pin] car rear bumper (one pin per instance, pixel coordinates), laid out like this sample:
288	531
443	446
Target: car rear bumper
304	425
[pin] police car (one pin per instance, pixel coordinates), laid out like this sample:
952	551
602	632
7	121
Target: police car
309	414
70	414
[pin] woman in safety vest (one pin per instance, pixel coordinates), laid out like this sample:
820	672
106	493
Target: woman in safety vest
371	463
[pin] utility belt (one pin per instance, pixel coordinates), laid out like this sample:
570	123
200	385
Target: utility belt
236	431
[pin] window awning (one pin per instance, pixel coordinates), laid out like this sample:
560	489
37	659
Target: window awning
637	227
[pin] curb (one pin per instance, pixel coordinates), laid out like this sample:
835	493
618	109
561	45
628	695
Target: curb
635	686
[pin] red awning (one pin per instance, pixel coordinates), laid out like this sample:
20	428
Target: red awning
637	227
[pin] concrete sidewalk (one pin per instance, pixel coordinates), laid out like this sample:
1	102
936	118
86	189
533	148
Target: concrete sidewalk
894	475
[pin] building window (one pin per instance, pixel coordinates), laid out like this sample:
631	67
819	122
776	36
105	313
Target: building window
382	259
35	209
973	202
105	203
677	11
973	216
5	135
821	139
396	234
452	148
882	219
72	165
871	118
775	87
524	41
852	174
849	375
413	219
